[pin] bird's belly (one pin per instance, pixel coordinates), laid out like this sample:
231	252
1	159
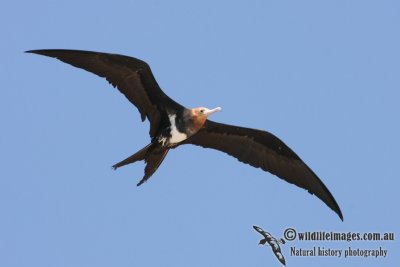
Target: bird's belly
176	136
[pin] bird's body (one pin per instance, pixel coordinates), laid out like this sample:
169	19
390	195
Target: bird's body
172	124
182	124
177	135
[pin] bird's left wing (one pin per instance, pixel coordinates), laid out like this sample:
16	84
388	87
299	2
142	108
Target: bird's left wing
132	77
263	150
258	229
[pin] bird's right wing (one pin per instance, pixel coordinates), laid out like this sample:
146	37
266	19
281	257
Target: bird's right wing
132	77
263	150
278	253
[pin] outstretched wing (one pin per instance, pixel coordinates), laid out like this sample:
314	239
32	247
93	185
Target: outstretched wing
261	231
263	150
258	229
132	77
277	251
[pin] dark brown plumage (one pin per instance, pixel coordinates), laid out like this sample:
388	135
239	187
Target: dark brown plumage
263	150
171	124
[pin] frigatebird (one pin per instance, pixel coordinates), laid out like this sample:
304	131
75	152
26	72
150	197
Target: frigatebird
172	124
273	242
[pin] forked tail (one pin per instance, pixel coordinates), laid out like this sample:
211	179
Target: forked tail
153	154
138	156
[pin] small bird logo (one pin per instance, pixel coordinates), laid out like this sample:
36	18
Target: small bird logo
273	242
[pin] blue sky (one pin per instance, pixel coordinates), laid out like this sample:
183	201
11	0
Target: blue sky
321	75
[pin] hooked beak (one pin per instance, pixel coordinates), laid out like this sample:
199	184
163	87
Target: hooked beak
212	111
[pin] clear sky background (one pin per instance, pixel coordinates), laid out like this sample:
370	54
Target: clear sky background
321	75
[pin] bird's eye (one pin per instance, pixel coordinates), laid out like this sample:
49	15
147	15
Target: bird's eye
201	110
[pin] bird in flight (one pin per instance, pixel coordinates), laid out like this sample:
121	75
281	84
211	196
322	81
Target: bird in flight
273	242
172	124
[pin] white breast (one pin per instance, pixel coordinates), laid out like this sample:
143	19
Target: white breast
176	136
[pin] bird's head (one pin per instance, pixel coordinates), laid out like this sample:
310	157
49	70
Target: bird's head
200	114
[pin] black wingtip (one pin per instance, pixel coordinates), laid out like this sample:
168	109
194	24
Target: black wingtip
339	212
335	207
326	196
39	51
43	52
